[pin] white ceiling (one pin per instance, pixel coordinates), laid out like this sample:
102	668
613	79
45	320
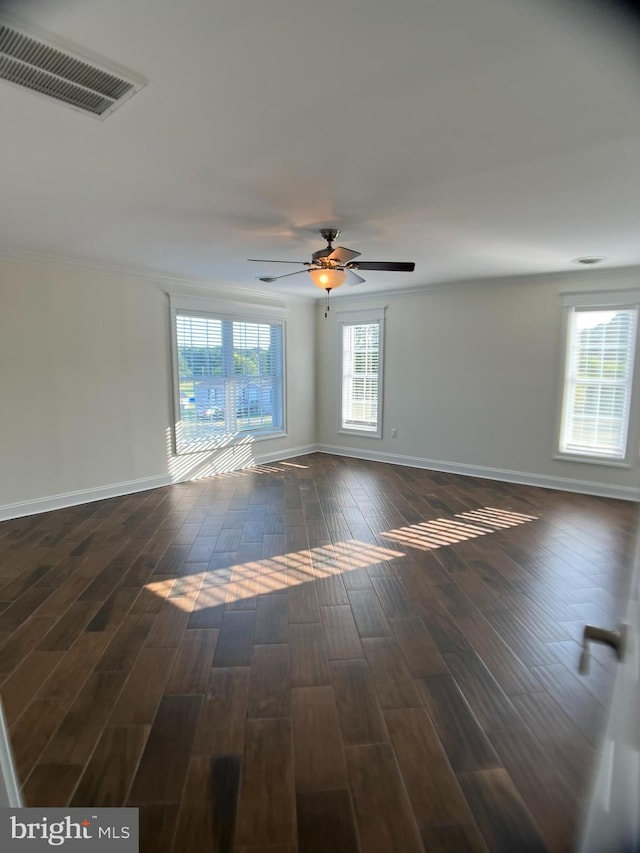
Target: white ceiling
475	137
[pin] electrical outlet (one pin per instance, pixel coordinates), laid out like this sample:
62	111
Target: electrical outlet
394	433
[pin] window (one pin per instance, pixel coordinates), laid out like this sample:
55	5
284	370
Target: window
598	381
361	339
229	379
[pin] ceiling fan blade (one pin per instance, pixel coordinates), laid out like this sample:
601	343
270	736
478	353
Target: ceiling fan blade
269	261
342	255
389	266
270	278
354	278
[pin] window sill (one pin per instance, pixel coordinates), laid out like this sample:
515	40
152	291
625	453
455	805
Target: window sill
592	460
238	439
361	432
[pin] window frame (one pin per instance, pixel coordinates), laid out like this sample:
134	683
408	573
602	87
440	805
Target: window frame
233	312
366	317
600	301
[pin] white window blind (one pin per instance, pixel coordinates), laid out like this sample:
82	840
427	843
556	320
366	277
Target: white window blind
230	379
361	357
598	382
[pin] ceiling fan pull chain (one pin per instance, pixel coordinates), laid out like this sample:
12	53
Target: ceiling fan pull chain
326	306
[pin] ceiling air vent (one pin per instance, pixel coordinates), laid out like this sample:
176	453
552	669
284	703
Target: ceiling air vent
62	72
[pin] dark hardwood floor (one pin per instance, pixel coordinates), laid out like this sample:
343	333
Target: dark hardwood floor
322	654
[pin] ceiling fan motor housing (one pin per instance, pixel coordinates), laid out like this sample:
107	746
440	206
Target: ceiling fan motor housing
328	234
320	254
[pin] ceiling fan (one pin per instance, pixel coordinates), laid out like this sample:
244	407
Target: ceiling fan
329	268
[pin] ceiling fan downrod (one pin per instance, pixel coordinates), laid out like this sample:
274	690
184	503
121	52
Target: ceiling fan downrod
330	234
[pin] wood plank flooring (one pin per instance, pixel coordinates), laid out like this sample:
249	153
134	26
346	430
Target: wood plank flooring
322	654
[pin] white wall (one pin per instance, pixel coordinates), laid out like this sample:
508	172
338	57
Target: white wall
470	384
471	381
85	387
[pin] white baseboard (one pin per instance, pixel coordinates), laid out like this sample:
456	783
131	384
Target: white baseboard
116	490
82	496
625	493
281	456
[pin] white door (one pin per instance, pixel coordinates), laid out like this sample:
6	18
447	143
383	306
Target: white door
9	789
612	821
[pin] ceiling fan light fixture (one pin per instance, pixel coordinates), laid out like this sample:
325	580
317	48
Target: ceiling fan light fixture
327	279
330	267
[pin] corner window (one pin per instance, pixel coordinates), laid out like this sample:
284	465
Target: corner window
229	376
361	364
598	381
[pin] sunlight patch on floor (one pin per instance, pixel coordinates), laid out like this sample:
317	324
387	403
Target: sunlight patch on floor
243	581
272	574
439	532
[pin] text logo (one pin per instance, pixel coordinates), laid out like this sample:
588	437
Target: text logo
86	830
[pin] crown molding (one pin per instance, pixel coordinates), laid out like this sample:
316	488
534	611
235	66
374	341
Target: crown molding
594	278
590	279
166	282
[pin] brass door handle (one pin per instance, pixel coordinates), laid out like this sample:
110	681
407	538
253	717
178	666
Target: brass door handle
615	639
